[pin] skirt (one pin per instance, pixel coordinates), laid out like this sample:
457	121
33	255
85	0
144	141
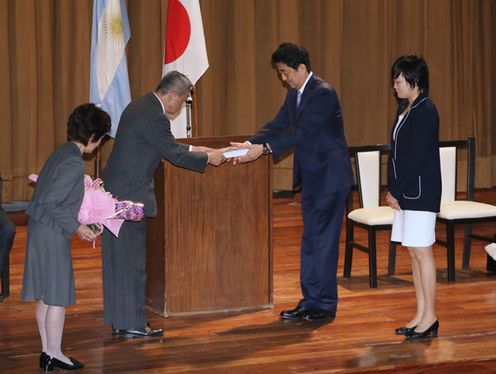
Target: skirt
48	272
414	228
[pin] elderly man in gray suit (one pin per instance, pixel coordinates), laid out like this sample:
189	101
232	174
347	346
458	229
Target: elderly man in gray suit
143	139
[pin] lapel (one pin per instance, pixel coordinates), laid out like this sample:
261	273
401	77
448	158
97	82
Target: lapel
306	94
292	94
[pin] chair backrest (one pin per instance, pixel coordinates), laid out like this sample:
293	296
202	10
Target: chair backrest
449	152
368	166
448	156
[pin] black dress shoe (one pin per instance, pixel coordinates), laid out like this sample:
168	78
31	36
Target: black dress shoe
404	330
52	363
318	315
145	332
414	335
296	313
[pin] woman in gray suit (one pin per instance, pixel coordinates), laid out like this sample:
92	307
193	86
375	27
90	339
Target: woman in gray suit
53	212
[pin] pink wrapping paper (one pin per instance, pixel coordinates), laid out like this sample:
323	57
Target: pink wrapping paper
99	206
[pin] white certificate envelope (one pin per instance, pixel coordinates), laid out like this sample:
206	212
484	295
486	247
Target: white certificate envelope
231	152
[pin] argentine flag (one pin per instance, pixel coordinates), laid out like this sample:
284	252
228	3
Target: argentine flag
109	80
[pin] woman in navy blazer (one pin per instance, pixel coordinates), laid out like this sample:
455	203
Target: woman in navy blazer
414	184
53	219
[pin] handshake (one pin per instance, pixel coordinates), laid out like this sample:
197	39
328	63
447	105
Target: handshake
237	153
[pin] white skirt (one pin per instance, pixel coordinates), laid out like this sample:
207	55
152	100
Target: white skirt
414	228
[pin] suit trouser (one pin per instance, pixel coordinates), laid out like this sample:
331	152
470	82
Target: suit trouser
7	234
124	276
322	219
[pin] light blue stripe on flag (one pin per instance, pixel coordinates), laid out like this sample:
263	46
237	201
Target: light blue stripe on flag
109	79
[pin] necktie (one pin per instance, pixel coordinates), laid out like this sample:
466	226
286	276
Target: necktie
298	99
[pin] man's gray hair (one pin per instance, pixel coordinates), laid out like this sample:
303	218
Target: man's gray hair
176	82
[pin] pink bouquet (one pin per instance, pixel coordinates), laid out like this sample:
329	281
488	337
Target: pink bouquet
99	208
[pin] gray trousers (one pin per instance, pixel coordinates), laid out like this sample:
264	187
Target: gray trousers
7	234
124	276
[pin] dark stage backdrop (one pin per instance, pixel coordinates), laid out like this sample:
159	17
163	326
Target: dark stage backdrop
44	68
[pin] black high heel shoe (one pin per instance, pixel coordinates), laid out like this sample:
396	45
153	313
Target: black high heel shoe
43	360
53	363
414	335
404	330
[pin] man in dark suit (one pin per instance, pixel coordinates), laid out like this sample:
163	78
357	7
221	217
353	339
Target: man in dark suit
142	140
310	120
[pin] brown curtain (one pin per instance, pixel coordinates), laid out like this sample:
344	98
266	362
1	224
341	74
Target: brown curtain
44	66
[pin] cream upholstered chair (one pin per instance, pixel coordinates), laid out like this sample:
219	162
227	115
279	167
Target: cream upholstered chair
370	216
465	212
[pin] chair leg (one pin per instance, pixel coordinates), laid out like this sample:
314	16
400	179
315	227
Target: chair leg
450	239
5	277
372	259
467	242
392	258
490	263
348	252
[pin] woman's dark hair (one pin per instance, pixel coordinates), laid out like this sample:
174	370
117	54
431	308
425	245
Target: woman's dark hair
414	69
291	55
85	121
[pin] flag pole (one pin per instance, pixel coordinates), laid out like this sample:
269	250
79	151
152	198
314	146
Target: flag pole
194	101
97	162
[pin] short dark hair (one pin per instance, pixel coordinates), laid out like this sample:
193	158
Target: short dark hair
85	121
291	55
414	69
176	82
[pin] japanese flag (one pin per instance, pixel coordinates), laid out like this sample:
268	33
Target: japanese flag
185	49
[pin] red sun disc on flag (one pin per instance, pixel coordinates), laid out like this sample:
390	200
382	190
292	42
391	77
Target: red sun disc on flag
178	31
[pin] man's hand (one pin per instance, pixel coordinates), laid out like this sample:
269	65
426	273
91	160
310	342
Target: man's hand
255	151
85	233
392	202
215	157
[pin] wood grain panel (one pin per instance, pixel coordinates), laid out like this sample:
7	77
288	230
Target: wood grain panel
209	248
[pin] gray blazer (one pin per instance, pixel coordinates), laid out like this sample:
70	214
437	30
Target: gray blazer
59	190
144	138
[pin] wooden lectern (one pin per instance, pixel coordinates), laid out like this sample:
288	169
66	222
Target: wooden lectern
209	248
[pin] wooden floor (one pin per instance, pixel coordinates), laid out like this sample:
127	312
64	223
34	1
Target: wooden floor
360	340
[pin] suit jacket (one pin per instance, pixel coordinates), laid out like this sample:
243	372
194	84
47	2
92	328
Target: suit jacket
59	190
414	168
142	140
315	129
